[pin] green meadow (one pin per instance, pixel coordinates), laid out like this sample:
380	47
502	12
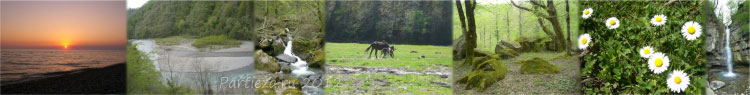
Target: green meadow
349	54
354	55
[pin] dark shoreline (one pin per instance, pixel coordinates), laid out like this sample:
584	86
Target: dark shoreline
105	80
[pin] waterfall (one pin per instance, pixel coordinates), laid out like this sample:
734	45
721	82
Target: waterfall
300	67
730	73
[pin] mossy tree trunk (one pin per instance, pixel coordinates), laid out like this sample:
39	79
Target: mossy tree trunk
549	13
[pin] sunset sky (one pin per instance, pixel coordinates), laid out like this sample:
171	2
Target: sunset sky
54	24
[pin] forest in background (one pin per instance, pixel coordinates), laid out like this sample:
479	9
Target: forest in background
399	22
190	18
496	22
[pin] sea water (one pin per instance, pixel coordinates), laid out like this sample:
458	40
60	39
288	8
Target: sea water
21	64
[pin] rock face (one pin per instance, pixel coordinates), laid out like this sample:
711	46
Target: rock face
266	63
459	51
533	44
538	66
515	46
286	58
739	42
716	84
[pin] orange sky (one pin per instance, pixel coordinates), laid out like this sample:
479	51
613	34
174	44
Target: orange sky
51	24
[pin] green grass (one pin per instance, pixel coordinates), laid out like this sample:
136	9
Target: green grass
346	54
493	23
174	40
217	40
413	84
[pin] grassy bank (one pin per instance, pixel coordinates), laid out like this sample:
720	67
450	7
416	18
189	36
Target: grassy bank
346	54
222	41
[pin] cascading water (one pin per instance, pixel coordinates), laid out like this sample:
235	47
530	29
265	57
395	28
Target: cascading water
728	51
300	67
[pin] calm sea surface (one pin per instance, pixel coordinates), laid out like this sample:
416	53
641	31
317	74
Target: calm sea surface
20	64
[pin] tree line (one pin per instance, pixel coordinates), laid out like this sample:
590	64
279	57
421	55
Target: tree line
159	19
399	22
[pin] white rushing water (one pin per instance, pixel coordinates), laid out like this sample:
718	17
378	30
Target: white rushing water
300	67
730	73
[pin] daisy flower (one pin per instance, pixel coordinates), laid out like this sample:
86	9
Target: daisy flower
678	81
583	41
587	13
612	23
691	30
658	62
646	52
659	20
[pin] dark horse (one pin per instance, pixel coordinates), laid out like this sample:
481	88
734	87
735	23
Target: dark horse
378	45
388	51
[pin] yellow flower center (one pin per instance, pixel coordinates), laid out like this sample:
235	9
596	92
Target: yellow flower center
646	51
612	22
586	12
583	41
658	62
691	29
677	80
658	19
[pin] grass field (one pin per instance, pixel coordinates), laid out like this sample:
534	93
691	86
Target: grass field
348	54
386	84
353	55
496	22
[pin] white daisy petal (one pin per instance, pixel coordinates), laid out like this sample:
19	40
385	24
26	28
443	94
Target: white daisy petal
691	30
658	62
678	81
587	13
612	23
646	52
659	20
583	41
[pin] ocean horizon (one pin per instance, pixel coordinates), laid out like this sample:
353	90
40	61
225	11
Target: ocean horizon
28	64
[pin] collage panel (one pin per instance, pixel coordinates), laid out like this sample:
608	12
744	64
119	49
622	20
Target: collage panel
654	47
388	47
62	47
516	47
375	47
190	47
727	50
289	57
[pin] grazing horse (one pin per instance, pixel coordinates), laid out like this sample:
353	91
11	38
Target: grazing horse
375	46
388	51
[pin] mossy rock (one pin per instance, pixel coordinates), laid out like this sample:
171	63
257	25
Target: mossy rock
263	62
318	59
481	53
538	66
292	92
484	75
506	53
265	88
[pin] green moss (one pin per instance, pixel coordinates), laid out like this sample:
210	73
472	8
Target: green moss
484	75
292	92
174	40
507	53
266	63
538	66
217	40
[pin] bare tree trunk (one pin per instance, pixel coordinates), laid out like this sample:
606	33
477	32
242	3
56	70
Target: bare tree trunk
567	22
520	23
